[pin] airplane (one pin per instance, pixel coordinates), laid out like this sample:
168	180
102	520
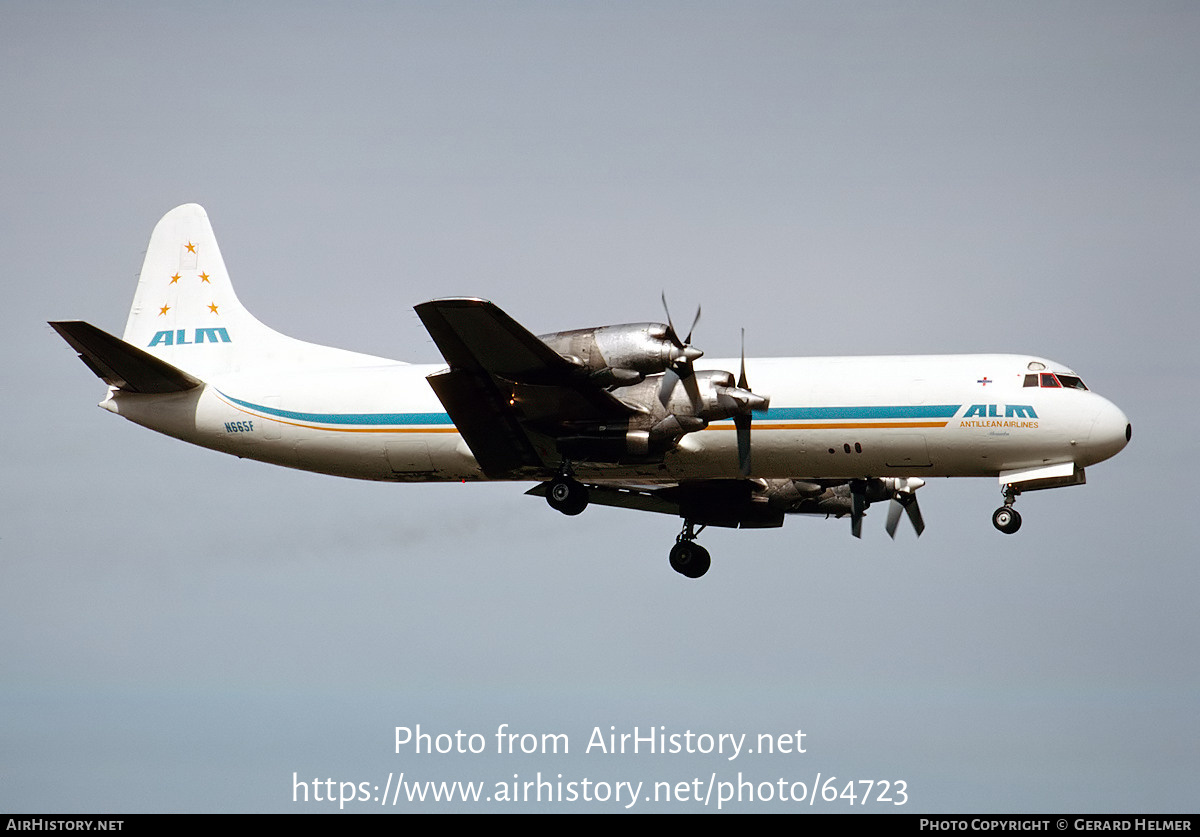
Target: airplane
621	415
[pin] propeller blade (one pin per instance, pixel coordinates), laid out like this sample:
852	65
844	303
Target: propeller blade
742	375
914	515
667	387
858	505
687	341
670	378
690	386
742	420
672	334
893	518
742	423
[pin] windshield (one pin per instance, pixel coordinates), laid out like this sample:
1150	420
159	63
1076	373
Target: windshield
1052	380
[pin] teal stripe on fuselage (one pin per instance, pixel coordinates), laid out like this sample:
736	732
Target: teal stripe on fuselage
925	411
374	419
903	411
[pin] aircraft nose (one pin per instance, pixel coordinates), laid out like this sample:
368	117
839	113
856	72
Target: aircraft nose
1111	431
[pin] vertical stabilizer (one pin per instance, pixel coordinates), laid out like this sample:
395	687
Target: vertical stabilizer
186	313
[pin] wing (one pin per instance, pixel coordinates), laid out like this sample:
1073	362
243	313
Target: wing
762	503
516	402
735	504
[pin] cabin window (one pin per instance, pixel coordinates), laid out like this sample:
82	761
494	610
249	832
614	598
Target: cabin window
1031	380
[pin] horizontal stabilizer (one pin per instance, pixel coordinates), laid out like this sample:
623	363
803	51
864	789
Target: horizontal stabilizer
121	364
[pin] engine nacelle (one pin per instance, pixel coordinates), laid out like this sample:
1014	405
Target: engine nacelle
635	442
621	355
784	494
714	397
801	497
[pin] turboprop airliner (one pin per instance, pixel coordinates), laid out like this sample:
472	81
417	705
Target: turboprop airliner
627	415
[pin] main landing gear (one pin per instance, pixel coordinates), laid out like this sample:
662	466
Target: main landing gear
1006	518
688	557
567	495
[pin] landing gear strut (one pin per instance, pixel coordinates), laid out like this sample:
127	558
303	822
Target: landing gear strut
566	494
1006	518
688	557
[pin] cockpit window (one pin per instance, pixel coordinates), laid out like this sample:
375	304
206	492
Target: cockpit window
1054	380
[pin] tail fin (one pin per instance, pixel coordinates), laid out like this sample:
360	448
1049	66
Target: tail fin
186	313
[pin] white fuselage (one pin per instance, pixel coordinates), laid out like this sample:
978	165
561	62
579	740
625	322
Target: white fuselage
829	417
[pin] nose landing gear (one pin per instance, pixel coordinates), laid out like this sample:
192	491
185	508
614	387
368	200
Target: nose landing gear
1006	518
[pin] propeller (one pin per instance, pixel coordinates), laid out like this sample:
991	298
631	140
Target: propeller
901	491
736	402
686	343
905	498
748	403
681	365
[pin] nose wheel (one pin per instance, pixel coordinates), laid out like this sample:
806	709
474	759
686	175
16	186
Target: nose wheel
689	558
1006	518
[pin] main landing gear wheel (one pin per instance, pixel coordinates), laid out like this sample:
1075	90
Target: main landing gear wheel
566	495
690	559
1006	519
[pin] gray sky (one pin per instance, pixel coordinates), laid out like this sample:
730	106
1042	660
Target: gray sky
184	630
